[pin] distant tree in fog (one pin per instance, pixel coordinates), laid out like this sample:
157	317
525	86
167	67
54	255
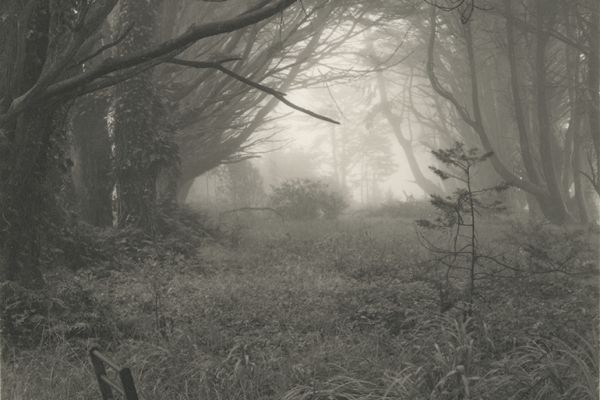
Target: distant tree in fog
358	154
290	163
519	79
545	62
241	185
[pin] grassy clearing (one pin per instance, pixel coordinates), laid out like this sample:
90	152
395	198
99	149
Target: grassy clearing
318	310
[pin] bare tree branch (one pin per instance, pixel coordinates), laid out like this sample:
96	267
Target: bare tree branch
475	121
46	87
107	46
275	93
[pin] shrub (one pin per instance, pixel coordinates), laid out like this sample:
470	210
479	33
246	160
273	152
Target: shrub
65	311
544	248
307	199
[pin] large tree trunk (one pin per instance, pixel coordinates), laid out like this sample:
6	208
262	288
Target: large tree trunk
549	199
23	199
576	114
518	106
133	135
582	210
557	212
141	144
551	203
92	174
23	142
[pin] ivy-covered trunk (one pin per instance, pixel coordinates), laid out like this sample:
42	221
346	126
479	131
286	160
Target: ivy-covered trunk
92	174
141	139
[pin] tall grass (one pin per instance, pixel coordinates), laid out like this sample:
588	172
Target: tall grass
323	310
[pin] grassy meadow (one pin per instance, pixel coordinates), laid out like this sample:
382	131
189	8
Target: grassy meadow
343	309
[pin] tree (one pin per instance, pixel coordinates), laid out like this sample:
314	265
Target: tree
359	154
288	164
44	56
458	213
242	185
143	138
225	125
212	114
542	182
406	141
93	170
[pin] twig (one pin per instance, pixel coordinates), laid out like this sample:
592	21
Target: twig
107	46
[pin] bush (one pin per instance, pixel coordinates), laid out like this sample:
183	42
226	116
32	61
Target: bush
307	199
64	312
544	248
182	229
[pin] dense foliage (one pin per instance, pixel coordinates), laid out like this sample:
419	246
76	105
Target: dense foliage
307	199
320	308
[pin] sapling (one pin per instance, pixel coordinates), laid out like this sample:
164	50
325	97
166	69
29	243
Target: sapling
458	214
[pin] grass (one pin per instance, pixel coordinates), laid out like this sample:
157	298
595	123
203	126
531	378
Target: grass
318	310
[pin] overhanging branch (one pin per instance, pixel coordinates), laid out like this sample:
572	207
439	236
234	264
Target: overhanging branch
47	87
107	46
273	92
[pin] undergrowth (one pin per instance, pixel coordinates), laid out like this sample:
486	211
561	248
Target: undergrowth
304	310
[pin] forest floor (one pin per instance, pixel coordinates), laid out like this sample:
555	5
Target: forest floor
318	310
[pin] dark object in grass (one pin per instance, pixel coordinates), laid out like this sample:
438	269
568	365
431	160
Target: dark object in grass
127	386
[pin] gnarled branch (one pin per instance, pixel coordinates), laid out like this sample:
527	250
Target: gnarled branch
47	87
273	92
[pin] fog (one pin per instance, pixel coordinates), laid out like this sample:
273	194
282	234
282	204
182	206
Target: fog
299	199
